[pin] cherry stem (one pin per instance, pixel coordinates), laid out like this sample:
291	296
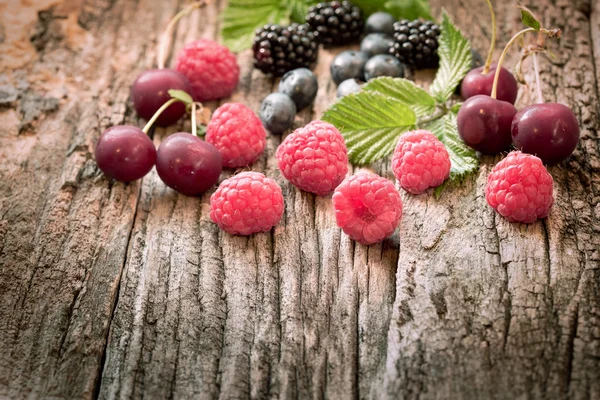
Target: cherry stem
538	85
503	56
488	61
194	126
157	114
164	42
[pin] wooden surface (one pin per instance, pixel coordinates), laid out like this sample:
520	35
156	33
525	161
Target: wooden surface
112	291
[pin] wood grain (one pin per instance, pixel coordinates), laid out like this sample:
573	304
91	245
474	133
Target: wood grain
110	290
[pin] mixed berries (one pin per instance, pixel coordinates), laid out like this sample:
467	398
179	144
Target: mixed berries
314	157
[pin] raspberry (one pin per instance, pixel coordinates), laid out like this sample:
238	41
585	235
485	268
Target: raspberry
367	207
420	161
520	188
237	133
211	68
247	203
314	158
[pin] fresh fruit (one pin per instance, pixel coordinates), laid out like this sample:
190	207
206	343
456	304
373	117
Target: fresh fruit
237	133
380	22
477	82
335	23
420	161
484	124
278	49
301	85
188	164
277	112
548	130
416	43
480	80
348	64
314	158
349	86
151	90
376	43
383	65
125	153
368	207
211	69
520	188
247	203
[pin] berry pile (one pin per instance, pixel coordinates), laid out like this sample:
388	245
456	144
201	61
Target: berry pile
314	158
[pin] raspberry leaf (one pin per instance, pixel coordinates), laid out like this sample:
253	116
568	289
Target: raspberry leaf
422	103
409	9
455	60
464	159
370	123
242	17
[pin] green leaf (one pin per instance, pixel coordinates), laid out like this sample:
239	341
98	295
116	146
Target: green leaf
422	103
463	158
242	17
299	9
408	9
370	123
181	95
455	60
529	19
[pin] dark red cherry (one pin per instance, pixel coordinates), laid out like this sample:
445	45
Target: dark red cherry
547	130
484	124
125	153
151	90
188	164
477	83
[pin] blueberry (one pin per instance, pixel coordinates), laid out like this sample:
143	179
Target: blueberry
347	87
383	65
348	64
376	43
301	85
380	22
277	112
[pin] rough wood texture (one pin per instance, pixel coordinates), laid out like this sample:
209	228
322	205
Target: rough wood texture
128	291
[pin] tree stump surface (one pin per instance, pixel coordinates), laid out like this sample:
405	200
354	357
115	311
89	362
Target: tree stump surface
111	290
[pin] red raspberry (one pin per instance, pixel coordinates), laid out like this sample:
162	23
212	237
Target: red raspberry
367	207
420	161
314	158
247	203
520	188
237	133
211	68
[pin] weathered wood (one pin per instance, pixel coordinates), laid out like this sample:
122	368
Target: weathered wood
118	291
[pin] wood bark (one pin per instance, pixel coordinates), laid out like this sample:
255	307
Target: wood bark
111	290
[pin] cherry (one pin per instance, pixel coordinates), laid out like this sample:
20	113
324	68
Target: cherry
188	164
484	124
125	153
477	82
549	131
480	80
151	90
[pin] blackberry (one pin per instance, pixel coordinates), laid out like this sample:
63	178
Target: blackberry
335	23
416	43
279	49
